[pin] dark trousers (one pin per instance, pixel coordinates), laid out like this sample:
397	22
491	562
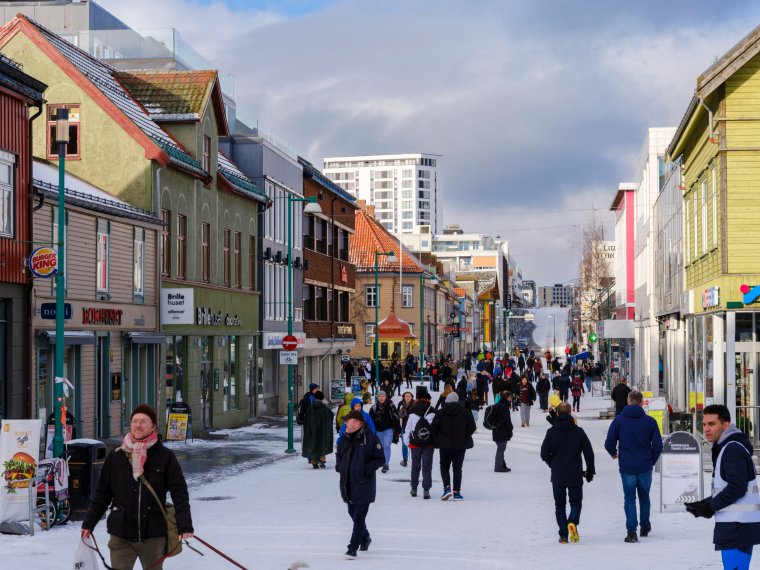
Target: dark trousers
422	459
452	459
561	494
576	403
563	396
543	400
358	514
499	462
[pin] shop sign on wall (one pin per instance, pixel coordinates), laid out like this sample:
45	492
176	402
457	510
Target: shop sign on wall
711	297
95	316
177	306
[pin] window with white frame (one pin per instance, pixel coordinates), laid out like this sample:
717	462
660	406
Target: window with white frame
103	251
715	206
370	296
7	163
138	262
705	204
369	334
407	299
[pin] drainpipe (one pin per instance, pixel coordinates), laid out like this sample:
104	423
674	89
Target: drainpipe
160	357
30	281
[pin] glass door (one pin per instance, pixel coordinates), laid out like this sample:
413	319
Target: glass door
746	392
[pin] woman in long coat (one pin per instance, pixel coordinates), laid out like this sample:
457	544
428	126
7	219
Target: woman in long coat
318	432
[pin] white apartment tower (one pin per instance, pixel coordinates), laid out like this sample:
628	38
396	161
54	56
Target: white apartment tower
402	187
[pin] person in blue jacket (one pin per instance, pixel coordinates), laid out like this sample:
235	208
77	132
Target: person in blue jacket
358	405
735	499
634	440
359	456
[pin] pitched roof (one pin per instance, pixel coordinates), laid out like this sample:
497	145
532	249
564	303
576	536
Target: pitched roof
315	174
12	77
97	79
239	181
169	95
370	236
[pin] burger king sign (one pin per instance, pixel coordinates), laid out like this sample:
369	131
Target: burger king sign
43	262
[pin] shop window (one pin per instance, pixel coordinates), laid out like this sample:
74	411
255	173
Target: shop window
206	252
7	179
181	246
138	262
72	148
230	369
166	241
744	327
103	252
226	257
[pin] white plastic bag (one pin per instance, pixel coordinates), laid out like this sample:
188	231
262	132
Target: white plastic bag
85	558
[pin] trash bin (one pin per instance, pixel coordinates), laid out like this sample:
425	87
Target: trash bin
86	458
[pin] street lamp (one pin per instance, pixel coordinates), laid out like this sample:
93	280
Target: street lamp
311	208
554	338
62	139
433	279
391	259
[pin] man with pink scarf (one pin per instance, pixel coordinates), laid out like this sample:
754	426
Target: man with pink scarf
136	523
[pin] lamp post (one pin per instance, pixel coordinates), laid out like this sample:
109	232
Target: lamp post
62	138
554	338
433	279
391	259
311	208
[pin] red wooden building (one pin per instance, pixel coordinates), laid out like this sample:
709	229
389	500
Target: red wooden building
18	93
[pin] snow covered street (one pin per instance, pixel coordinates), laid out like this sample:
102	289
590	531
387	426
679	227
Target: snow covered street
274	515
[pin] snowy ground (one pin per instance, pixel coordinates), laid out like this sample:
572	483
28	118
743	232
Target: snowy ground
272	515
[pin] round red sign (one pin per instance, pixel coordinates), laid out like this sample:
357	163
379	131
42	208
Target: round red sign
289	342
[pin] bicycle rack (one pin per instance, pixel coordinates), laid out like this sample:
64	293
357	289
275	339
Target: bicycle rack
42	476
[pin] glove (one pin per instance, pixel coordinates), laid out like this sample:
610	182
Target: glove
700	508
589	476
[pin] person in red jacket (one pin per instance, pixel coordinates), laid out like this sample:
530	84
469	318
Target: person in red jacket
577	390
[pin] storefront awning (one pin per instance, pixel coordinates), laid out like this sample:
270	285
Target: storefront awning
146	337
71	337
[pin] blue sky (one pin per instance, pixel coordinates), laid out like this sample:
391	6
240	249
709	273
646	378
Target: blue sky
539	108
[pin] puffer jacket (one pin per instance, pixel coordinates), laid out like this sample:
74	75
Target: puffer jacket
343	410
135	515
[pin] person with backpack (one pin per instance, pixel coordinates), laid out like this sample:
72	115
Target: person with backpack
305	403
387	427
563	384
526	395
577	390
563	446
417	436
452	430
497	418
514	387
404	407
543	387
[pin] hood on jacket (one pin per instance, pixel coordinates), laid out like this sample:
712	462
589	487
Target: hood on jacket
633	412
733	433
564	422
420	408
347	398
357	401
451	408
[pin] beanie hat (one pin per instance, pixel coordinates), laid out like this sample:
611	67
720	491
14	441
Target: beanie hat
424	395
382	393
319	395
354	415
452	398
312	386
147	410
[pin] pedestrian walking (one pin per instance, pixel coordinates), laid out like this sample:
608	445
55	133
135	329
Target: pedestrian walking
514	387
442	397
359	456
619	395
387	427
634	440
417	436
342	411
348	371
305	403
521	364
357	404
404	406
563	384
577	390
543	387
500	421
409	370
452	430
735	499
132	473
526	395
563	446
317	432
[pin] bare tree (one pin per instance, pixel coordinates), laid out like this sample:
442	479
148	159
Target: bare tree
595	273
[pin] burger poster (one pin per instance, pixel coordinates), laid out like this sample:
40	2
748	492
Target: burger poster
19	452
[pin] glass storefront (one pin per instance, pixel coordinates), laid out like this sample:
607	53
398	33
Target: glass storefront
174	371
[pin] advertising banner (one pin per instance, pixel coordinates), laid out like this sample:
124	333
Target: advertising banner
19	453
680	472
176	428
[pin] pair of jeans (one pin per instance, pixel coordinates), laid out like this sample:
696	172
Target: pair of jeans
543	400
422	460
454	459
358	514
636	484
524	414
386	439
404	451
735	559
498	463
561	494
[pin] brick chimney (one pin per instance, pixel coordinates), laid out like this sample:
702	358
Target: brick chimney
370	210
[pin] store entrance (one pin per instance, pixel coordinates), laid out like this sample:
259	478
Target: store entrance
747	409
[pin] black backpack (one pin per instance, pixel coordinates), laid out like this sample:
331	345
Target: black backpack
420	436
488	418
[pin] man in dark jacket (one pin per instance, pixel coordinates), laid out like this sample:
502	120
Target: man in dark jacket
452	431
514	387
634	439
543	387
619	395
563	446
136	524
348	371
317	432
563	383
735	501
502	432
305	403
358	457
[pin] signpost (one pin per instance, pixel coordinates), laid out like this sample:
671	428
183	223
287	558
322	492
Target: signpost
289	357
680	472
180	422
289	342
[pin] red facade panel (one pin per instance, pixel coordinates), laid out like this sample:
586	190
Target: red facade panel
14	133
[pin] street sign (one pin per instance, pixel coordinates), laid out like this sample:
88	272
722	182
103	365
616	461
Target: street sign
345	358
592	338
289	357
530	317
48	312
289	342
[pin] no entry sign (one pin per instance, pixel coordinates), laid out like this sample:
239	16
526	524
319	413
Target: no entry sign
289	342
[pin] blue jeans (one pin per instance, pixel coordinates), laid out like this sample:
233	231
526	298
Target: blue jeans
386	438
561	494
735	559
404	451
636	484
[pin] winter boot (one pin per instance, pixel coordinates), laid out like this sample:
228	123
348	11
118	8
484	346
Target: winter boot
385	468
350	554
365	544
645	531
631	537
426	493
413	492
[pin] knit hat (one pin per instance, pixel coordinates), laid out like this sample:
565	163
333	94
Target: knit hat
147	410
312	386
319	395
382	393
424	395
453	397
354	415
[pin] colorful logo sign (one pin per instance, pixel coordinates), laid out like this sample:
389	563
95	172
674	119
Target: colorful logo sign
43	262
711	297
750	293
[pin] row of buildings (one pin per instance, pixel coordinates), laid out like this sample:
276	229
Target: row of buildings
681	319
188	245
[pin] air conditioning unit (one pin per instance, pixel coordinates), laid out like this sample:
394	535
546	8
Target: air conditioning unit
268	253
278	257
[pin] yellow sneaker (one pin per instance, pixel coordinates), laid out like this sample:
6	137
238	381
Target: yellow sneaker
572	532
